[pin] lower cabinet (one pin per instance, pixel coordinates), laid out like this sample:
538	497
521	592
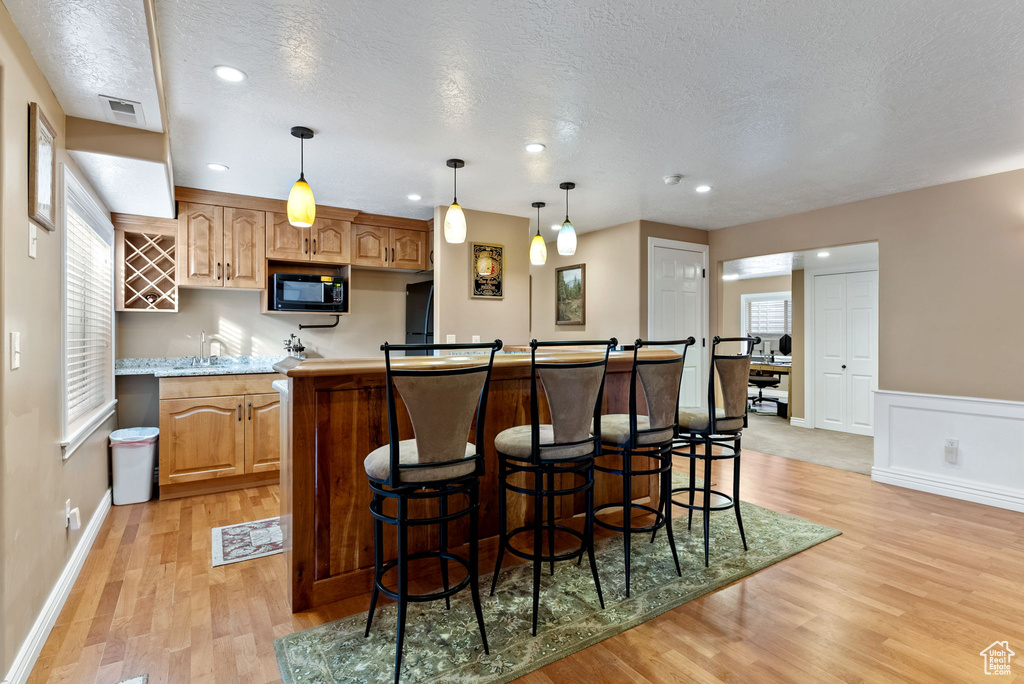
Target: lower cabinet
215	443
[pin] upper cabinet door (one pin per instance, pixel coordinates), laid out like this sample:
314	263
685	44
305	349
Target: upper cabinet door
245	244
200	245
285	241
370	246
408	249
331	241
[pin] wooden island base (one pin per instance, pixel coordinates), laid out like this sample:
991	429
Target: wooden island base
334	413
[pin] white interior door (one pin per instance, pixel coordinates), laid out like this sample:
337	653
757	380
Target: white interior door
677	297
846	351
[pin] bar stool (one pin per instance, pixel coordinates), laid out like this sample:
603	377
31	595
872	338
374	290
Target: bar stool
548	452
437	464
719	427
650	436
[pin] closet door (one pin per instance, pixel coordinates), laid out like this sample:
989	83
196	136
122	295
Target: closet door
861	351
830	341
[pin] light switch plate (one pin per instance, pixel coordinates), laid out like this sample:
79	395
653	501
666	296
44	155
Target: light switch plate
33	239
476	339
952	450
15	350
451	339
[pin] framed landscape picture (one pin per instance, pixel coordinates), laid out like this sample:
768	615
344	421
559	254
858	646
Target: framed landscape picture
571	295
487	271
42	169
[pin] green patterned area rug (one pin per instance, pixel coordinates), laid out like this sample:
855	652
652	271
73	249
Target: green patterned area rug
443	646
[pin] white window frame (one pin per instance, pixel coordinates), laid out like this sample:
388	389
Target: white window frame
761	297
77	197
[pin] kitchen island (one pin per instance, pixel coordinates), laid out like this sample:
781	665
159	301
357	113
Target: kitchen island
334	413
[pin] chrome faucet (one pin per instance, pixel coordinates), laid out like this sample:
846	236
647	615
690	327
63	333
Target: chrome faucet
201	360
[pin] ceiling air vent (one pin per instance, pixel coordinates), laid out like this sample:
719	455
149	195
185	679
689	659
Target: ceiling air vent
122	112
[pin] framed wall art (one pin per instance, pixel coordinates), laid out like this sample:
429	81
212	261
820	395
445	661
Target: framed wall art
487	271
571	295
42	169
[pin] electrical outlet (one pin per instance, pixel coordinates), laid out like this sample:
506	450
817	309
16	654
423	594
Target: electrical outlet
952	451
451	339
476	339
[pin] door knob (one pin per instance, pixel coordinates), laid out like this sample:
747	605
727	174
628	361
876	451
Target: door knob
844	366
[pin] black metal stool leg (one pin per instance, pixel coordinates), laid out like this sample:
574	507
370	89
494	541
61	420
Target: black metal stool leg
443	534
502	520
588	533
736	494
627	511
403	580
666	495
538	534
378	561
551	519
707	500
693	481
474	570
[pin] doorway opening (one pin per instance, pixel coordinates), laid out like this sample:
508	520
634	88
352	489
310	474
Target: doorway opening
814	375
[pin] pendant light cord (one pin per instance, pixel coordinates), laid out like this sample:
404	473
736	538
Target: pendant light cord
538	220
302	159
567	204
455	184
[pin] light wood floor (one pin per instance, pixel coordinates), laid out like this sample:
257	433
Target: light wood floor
915	587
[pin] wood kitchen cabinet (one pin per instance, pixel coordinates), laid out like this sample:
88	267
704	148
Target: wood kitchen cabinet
262	433
218	433
327	241
389	247
221	247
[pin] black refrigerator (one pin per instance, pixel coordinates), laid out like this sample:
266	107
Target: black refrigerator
419	315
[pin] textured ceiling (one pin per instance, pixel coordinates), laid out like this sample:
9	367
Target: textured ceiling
128	186
786	262
89	48
781	107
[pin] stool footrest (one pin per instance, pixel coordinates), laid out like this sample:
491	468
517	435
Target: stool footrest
659	518
568	555
423	598
686	490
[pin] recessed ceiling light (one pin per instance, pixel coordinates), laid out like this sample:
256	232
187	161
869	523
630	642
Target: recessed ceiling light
229	73
703	188
535	147
556	226
216	167
731	276
822	255
415	198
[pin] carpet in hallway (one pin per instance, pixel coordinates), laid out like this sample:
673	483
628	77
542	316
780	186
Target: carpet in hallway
773	435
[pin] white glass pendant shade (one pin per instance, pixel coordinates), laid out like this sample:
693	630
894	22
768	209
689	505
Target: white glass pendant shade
566	239
455	224
301	205
538	251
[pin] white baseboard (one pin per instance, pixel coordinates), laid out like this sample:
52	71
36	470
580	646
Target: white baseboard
799	422
990	495
910	434
33	644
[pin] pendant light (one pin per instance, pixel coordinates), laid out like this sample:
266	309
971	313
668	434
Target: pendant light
301	205
538	248
566	234
455	218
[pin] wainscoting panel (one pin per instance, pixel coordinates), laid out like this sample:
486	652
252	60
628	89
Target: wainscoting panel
910	436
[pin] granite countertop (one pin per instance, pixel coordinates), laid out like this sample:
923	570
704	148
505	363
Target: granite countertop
180	366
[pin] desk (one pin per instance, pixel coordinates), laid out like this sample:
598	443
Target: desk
779	369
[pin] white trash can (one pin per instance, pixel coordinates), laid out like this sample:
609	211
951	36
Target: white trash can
134	458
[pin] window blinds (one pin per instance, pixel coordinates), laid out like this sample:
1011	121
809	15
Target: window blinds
770	317
89	325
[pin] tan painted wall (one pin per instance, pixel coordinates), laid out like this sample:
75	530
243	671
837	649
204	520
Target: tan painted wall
612	258
459	314
34	482
950	278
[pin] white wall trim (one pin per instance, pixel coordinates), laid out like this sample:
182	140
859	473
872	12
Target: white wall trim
705	350
910	432
25	660
798	422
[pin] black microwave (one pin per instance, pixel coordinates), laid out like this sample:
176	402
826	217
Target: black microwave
304	292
